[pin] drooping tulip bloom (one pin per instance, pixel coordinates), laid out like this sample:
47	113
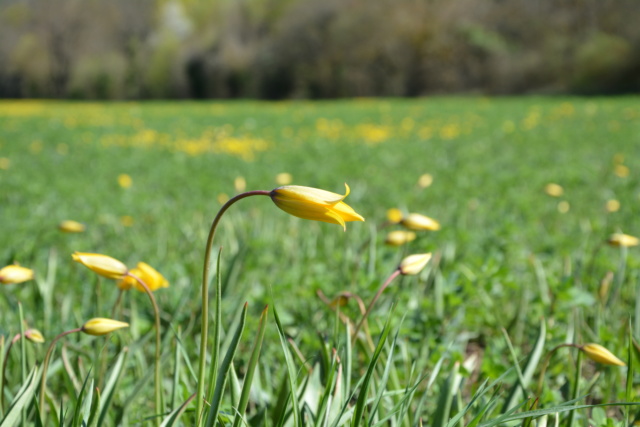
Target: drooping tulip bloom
70	226
103	265
599	354
399	237
12	274
413	264
149	275
101	326
419	222
621	239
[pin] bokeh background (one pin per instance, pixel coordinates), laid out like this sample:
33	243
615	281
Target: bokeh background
277	49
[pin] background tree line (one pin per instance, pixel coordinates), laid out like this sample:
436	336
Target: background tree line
124	49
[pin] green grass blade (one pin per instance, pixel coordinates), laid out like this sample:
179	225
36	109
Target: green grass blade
251	368
217	326
291	372
22	399
86	405
176	371
445	399
111	386
176	413
224	369
79	400
385	377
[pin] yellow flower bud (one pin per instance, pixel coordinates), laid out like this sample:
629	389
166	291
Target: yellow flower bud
149	275
612	205
394	215
399	237
314	204
620	239
413	264
70	226
425	180
124	180
34	335
553	190
240	184
599	354
420	222
101	326
103	265
284	178
15	274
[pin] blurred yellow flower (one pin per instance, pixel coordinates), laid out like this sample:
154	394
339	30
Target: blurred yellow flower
612	205
399	237
419	222
394	215
5	163
34	335
103	265
124	180
413	264
240	184
126	220
12	274
599	354
101	326
222	198
425	180
553	190
563	207
621	239
621	170
315	204
284	178
149	275
70	226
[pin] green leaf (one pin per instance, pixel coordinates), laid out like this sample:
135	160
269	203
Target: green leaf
291	372
23	397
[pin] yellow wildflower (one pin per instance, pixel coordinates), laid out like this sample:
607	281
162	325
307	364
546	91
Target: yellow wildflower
101	326
621	239
399	237
284	178
425	180
394	215
240	184
413	264
149	275
599	354
15	274
553	190
420	222
124	180
70	226
612	205
315	204
103	265
34	335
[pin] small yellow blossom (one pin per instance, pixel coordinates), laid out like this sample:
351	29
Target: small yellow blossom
599	354
149	275
621	239
563	207
34	335
399	237
101	326
621	171
240	184
124	180
413	264
222	198
126	220
70	226
12	274
425	180
394	215
103	265
612	205
284	178
315	204
5	163
553	190
419	222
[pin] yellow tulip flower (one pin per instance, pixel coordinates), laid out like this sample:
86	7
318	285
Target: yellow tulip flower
284	178
419	222
315	204
70	226
149	275
101	326
413	264
34	335
599	354
394	215
399	237
621	239
103	265
15	274
553	189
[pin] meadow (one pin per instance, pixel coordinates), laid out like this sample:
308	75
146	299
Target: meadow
517	268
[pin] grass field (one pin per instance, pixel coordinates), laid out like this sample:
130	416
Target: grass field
510	260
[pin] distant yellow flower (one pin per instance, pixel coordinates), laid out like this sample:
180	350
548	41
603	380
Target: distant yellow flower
420	222
126	220
314	204
101	326
103	265
553	190
12	274
399	237
284	178
149	275
240	184
5	163
34	335
563	207
599	354
70	226
621	171
621	239
124	180
413	264
612	205
223	198
425	180
394	215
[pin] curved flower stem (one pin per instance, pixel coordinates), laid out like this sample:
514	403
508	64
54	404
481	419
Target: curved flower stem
45	366
384	286
204	328
156	313
545	364
15	338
